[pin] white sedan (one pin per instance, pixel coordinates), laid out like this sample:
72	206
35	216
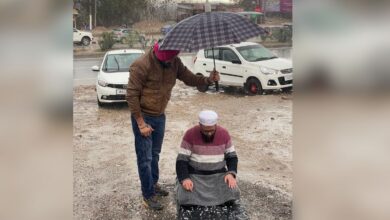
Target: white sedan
247	65
113	75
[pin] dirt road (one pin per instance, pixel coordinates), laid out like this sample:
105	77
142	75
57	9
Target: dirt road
106	183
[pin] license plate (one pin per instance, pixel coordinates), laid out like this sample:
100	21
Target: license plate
121	91
287	78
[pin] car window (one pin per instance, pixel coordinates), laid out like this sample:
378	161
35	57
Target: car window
208	53
253	53
229	55
119	62
125	31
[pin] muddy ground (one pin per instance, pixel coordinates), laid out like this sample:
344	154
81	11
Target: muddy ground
106	183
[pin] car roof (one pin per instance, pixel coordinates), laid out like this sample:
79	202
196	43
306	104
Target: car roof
121	29
124	51
238	45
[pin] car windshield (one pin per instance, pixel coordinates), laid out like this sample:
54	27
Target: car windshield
253	53
119	62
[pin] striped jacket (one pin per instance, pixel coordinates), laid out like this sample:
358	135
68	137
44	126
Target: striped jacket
197	157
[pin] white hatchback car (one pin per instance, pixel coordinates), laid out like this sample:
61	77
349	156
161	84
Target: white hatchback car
113	75
248	65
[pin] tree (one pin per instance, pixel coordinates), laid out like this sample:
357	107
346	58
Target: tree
160	10
112	12
117	12
248	5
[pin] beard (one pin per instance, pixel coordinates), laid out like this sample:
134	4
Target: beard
165	65
206	138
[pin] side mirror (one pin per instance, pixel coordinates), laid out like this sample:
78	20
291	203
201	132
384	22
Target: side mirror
236	61
95	68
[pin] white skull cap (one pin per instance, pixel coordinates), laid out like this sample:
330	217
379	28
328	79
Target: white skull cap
208	117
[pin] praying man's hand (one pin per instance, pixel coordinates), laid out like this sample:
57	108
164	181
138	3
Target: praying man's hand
230	181
188	185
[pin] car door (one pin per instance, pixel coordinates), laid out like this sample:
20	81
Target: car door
229	67
125	33
207	64
76	35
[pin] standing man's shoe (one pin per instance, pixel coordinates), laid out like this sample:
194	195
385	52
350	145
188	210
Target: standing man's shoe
152	203
160	191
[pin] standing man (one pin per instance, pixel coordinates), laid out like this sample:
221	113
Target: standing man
151	80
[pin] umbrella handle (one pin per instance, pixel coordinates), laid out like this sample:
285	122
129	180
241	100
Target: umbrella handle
216	86
216	82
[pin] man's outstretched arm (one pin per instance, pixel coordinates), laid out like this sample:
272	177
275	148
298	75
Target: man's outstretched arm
190	79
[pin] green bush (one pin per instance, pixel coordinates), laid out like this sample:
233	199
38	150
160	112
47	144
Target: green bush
134	38
107	41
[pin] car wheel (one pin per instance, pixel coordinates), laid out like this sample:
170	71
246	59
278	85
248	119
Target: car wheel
100	104
86	41
203	88
287	89
253	86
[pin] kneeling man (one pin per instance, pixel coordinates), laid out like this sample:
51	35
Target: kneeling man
206	166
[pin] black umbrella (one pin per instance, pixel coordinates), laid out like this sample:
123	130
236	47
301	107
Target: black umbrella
209	30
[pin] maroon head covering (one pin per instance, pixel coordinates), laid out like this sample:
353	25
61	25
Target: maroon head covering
164	55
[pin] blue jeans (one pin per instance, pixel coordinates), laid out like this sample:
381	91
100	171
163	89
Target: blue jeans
148	152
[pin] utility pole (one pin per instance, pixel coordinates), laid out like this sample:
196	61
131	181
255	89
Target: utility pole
263	5
207	6
90	15
95	14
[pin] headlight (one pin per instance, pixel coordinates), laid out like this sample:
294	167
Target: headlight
102	83
267	71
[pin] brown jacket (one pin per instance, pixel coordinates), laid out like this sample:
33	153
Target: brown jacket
150	85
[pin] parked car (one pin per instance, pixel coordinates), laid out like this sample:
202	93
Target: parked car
277	33
120	34
125	35
248	65
113	75
82	37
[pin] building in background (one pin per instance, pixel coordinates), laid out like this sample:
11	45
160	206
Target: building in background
185	10
286	8
278	7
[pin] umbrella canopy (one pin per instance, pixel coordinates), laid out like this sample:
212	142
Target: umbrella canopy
209	30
